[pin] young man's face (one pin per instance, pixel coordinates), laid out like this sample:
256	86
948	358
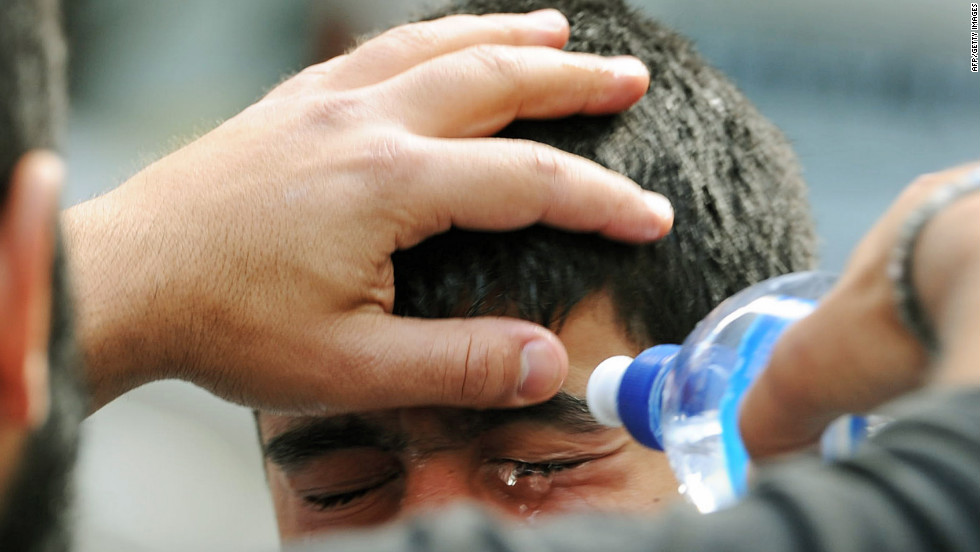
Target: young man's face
372	467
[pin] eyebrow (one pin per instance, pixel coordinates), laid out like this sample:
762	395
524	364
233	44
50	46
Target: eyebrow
564	411
309	438
314	437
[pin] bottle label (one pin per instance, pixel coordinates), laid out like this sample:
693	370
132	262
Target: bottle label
754	351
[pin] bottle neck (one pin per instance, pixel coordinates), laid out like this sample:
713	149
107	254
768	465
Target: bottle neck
641	394
657	398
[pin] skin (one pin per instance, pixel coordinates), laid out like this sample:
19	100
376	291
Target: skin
255	262
440	463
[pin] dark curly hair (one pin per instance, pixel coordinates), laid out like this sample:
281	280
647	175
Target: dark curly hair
741	209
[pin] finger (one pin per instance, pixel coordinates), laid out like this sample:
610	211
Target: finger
404	47
502	184
476	363
479	90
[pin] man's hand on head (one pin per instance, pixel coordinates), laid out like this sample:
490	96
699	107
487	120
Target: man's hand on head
255	262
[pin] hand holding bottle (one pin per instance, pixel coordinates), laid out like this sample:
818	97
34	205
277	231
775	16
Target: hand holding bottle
853	352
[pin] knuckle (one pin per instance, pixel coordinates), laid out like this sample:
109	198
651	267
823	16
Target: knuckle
500	61
479	382
923	187
925	182
337	107
392	168
456	381
499	27
477	372
410	37
322	68
549	165
931	181
390	159
543	171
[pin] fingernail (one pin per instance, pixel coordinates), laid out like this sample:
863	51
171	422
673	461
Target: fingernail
540	370
549	19
660	206
627	66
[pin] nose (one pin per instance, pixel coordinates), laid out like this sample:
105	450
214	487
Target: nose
437	480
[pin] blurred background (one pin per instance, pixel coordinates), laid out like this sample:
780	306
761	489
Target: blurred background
871	93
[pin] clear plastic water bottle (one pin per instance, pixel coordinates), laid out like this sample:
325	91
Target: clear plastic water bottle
684	400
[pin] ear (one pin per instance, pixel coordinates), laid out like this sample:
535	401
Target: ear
26	249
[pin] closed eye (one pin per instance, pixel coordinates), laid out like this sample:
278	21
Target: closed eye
332	501
521	468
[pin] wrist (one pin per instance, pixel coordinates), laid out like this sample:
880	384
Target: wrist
108	272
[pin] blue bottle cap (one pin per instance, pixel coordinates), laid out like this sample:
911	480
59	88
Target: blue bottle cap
640	392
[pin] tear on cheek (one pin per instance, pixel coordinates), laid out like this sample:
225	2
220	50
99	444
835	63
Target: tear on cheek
525	482
525	491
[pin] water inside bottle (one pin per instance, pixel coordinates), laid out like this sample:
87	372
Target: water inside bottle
694	449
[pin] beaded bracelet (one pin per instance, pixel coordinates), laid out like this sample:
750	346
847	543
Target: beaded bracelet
900	267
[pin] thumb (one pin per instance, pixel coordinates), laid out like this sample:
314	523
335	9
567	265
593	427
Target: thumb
476	363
